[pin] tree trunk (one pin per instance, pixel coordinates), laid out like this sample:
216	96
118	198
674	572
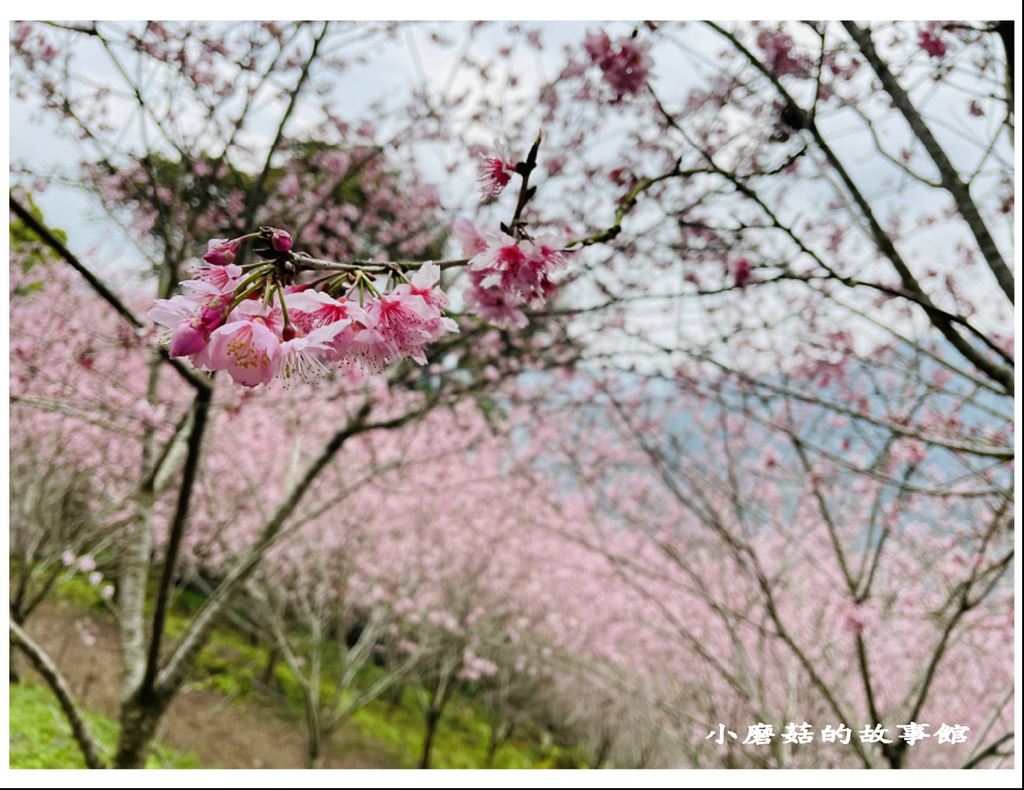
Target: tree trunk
500	732
604	749
268	678
433	717
13	670
138	728
314	736
492	749
17	617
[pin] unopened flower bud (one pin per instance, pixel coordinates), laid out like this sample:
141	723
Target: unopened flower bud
221	252
288	333
281	240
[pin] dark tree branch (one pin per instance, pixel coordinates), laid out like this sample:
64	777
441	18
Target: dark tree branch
995	371
201	408
45	666
950	179
105	293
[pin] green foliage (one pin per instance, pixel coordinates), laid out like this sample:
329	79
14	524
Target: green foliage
29	249
227	668
461	741
41	738
77	590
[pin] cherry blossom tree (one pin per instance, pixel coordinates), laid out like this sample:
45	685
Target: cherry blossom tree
771	591
777	485
825	277
166	189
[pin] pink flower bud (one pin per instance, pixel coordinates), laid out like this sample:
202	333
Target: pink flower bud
281	240
221	252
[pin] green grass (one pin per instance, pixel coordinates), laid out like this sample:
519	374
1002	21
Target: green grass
461	740
41	737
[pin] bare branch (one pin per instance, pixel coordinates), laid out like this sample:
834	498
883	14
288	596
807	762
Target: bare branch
59	686
947	173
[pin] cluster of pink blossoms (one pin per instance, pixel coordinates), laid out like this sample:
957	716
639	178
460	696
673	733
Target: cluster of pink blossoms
625	65
506	274
255	339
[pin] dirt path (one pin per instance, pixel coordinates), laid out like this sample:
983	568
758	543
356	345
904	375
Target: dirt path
223	733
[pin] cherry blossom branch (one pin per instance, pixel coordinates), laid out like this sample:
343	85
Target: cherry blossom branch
21	608
745	556
992	750
105	293
900	484
145	108
970	449
996	713
976	380
191	641
51	405
916	296
951	182
194	636
256	197
964	604
306	262
629	201
45	666
877	233
250	97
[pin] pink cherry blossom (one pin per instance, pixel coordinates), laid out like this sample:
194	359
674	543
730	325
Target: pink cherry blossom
598	45
424	284
224	278
496	172
518	269
741	273
473	241
301	357
191	319
403	320
372	350
777	47
931	44
190	337
494	305
247	349
625	67
312	310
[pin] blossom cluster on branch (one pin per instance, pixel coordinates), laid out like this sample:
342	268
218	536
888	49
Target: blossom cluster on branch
257	324
510	268
625	65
